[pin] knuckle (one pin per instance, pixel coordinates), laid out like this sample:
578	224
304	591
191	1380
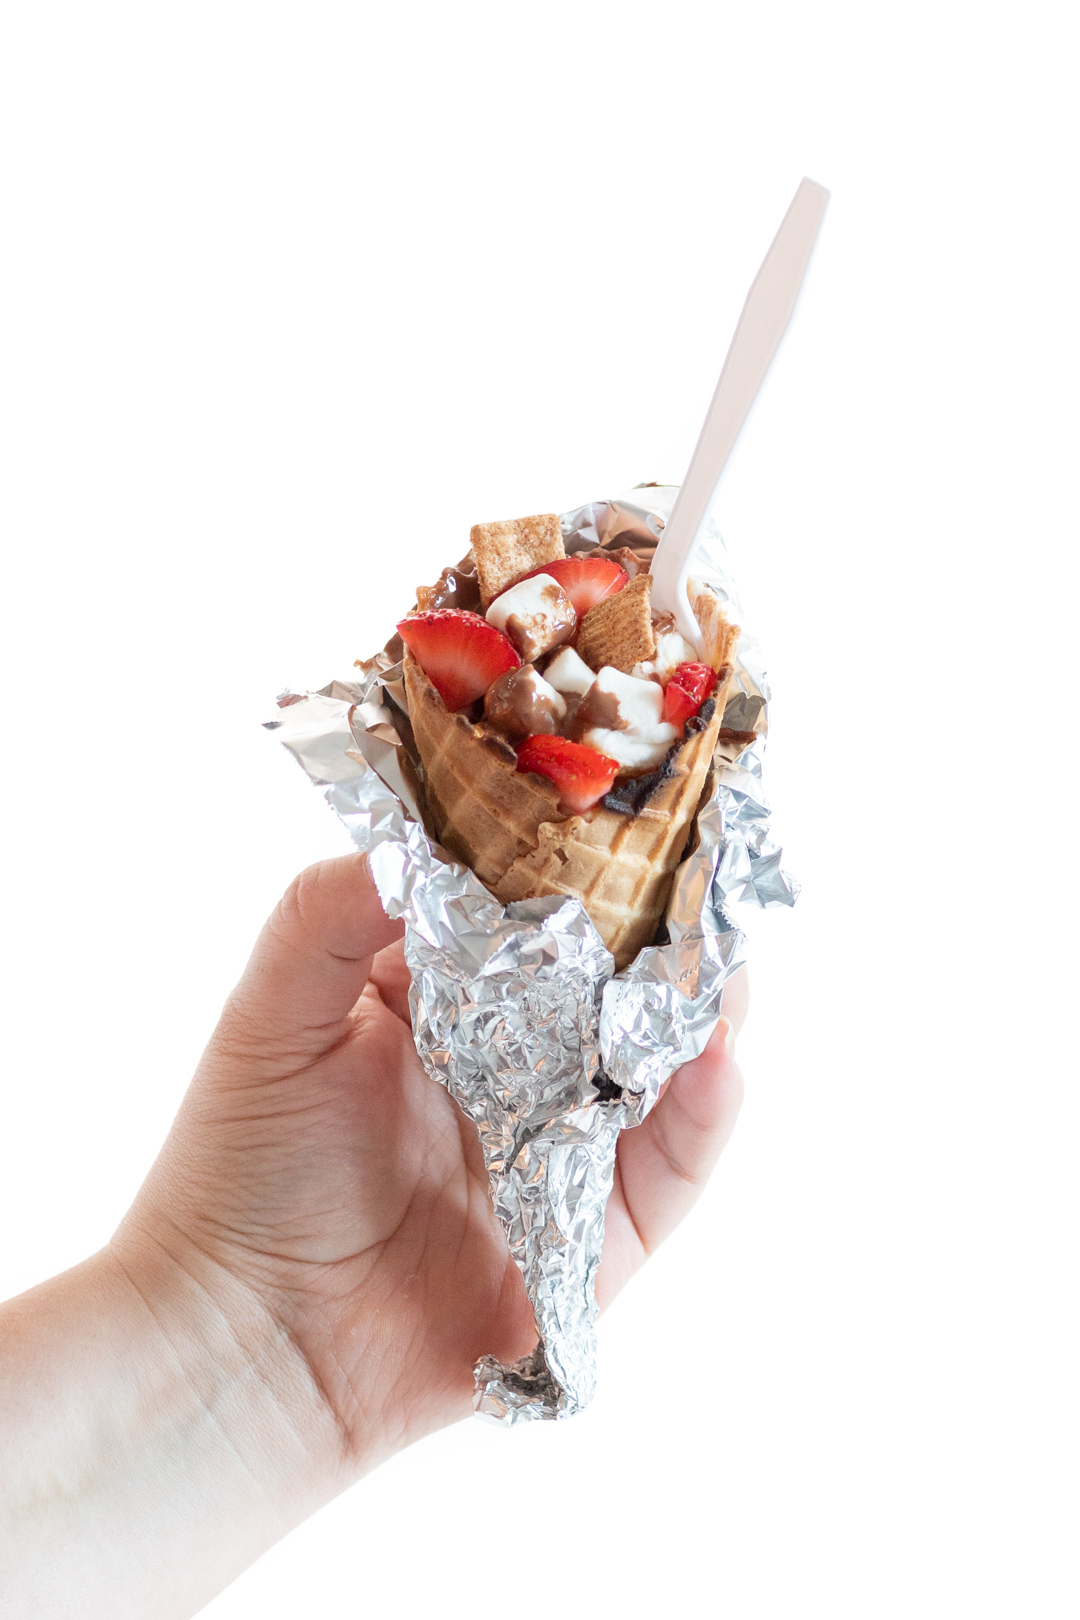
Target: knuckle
298	907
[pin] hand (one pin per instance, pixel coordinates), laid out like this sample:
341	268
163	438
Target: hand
316	1163
302	1286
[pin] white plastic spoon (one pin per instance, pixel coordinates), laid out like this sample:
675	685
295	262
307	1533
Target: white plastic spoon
769	306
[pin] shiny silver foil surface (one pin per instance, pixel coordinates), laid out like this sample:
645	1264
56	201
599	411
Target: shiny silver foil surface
517	1009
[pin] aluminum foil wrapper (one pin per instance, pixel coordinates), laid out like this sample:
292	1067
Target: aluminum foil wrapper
517	1009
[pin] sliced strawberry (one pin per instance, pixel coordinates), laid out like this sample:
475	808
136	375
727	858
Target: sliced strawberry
686	692
459	652
581	775
586	579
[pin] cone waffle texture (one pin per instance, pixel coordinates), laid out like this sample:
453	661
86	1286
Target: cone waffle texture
506	825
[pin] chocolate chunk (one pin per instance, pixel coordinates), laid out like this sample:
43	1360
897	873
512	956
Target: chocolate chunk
728	737
606	1089
515	708
699	721
632	793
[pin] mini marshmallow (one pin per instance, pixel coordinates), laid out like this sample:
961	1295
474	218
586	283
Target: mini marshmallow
536	614
639	703
622	716
635	750
672	649
569	673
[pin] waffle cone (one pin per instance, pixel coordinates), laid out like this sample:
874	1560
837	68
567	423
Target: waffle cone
506	825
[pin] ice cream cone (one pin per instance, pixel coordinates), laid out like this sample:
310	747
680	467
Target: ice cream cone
506	825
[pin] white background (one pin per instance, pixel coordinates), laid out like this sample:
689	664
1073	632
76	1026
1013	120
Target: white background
293	294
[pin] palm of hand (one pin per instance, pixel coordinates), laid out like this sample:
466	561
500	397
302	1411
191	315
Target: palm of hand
315	1160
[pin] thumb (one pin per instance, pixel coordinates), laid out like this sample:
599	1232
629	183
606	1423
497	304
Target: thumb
309	965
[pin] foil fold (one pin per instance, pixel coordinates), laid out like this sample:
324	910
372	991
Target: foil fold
517	1009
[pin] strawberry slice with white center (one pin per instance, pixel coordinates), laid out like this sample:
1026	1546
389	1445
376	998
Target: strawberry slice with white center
586	578
686	691
459	652
581	775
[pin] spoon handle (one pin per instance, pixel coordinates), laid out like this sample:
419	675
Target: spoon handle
769	306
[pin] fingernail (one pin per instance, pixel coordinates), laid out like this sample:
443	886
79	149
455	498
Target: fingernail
729	1034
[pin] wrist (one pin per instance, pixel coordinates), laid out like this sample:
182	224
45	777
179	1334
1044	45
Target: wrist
232	1359
164	1434
250	1333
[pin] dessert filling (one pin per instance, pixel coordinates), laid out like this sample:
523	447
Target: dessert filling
562	658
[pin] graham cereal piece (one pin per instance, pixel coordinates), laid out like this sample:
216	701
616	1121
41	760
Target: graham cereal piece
505	551
618	631
718	636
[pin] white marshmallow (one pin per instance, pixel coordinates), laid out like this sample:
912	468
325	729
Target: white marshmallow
672	649
635	750
568	672
536	614
640	703
642	736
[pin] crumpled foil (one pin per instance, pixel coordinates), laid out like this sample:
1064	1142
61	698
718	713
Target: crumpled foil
517	1009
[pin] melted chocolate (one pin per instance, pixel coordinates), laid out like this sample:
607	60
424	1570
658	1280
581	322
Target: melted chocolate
597	709
639	543
632	561
636	558
698	722
573	704
735	739
633	793
535	634
456	587
496	744
514	708
606	1089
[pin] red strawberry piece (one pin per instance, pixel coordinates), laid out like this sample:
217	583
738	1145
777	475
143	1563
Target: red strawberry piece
460	653
586	579
581	775
686	692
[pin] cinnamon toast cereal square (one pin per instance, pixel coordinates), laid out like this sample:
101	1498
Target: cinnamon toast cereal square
505	551
618	630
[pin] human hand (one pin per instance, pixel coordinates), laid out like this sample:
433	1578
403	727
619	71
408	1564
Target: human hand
302	1286
314	1163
